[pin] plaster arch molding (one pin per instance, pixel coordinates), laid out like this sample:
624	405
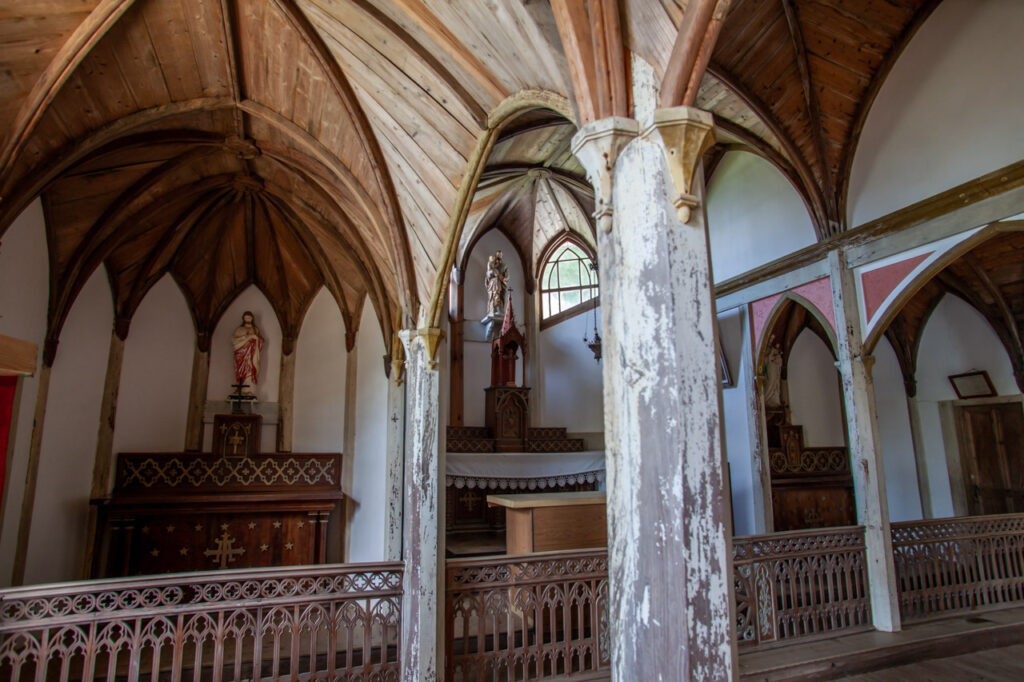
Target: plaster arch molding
886	286
815	296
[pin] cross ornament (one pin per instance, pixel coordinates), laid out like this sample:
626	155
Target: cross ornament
224	553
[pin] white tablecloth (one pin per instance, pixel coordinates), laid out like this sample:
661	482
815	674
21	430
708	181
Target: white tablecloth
524	470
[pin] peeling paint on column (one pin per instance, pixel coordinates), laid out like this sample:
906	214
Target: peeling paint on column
420	534
394	470
862	431
669	566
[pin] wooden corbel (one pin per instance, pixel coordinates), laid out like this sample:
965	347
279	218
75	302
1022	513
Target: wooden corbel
597	145
432	337
686	133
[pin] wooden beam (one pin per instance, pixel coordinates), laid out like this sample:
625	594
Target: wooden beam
835	223
984	187
685	50
31	185
17	357
65	61
233	50
707	47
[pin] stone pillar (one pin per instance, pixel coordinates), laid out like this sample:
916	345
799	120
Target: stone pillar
422	641
394	470
197	399
103	464
670	575
286	396
865	455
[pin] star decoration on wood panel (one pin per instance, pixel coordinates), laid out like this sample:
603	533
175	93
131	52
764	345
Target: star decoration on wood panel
199	527
277	524
170	528
252	525
183	551
289	545
154	552
264	547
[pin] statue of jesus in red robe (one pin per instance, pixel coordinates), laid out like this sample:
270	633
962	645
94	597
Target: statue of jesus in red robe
247	343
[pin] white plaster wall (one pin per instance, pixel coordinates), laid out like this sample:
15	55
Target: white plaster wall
320	378
477	350
894	436
754	215
369	459
815	399
23	298
573	379
734	334
222	362
956	339
948	112
152	403
57	540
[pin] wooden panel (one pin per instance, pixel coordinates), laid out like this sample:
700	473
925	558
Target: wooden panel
518	531
17	356
579	527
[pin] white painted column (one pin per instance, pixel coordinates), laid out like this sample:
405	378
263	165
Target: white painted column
865	454
422	641
760	467
35	447
349	454
394	471
920	460
670	576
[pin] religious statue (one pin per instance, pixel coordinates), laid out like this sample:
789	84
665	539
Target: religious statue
247	344
496	284
773	376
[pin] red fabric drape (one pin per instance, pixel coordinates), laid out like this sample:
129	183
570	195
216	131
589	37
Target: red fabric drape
7	386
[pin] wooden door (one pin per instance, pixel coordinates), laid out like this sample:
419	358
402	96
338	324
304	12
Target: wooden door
992	455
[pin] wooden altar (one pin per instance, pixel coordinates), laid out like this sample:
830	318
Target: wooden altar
553	521
187	511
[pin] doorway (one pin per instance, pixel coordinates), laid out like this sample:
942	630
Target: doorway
991	439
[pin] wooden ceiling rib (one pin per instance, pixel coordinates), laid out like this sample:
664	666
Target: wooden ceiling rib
345	127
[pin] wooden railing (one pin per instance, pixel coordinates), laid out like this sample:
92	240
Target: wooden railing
325	622
958	565
801	584
527	617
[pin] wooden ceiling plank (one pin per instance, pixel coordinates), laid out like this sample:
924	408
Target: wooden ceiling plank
210	48
813	110
172	43
64	63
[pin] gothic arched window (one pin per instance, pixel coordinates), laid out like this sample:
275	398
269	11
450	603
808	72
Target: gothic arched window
569	279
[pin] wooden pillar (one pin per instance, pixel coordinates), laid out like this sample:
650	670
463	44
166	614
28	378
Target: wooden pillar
422	639
865	454
349	446
102	468
920	461
32	474
286	396
394	467
670	577
757	432
456	320
197	398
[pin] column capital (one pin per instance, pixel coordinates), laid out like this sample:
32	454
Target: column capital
685	133
597	146
430	337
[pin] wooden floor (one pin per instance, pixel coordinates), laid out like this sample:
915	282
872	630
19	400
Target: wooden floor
993	665
980	646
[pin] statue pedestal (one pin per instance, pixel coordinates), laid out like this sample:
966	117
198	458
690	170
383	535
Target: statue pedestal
507	415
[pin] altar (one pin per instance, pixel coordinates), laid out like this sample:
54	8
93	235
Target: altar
545	522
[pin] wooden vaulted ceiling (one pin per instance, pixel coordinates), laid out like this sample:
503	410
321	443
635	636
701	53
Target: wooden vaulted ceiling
989	277
286	143
531	173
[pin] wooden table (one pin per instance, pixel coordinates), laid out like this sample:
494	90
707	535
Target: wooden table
545	522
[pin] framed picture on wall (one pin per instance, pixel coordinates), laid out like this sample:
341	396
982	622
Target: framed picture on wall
975	384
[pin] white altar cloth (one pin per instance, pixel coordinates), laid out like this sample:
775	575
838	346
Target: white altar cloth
523	470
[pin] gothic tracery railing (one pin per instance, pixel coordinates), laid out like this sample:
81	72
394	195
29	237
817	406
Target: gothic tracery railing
958	564
800	584
527	617
327	622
